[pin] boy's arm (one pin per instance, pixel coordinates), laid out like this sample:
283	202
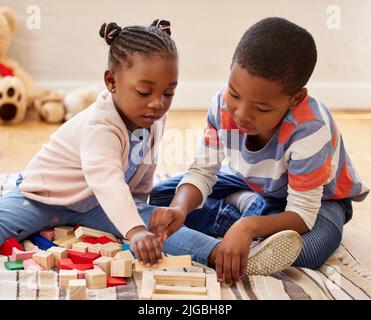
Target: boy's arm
196	185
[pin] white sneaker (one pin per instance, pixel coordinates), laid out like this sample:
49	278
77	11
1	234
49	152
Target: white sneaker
275	253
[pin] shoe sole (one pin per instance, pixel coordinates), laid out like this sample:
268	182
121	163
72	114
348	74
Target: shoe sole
275	253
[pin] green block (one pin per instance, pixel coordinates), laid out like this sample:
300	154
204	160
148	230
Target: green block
14	265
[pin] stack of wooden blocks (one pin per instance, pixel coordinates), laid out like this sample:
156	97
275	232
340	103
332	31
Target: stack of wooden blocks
91	259
172	285
158	284
85	258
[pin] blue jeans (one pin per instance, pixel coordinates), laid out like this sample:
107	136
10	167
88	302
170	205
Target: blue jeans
217	216
21	217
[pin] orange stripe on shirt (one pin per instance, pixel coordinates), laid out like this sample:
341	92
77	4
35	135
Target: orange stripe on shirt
255	187
344	183
211	137
303	112
311	180
286	130
227	122
334	136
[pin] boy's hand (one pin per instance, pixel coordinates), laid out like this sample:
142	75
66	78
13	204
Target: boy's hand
165	221
231	258
145	245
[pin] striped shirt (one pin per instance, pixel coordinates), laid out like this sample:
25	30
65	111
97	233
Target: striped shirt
305	161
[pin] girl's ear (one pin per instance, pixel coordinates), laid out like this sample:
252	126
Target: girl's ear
298	97
109	79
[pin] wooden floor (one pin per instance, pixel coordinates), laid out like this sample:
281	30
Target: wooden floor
20	142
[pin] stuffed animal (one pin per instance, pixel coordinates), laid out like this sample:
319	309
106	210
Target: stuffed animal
18	91
79	99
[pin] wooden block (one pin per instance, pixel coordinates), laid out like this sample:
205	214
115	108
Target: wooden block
213	287
28	245
61	232
63	263
148	285
114	282
79	266
196	279
167	262
164	289
7	247
42	242
14	265
104	263
104	240
95	248
47	234
121	268
44	259
80	274
110	249
77	289
81	246
84	231
65	276
59	253
67	242
81	257
22	255
124	255
89	239
96	279
30	264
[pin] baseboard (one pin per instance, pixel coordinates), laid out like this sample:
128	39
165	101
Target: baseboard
197	94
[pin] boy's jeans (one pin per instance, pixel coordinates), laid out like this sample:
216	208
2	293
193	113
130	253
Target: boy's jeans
217	216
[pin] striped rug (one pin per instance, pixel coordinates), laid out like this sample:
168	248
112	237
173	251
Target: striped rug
340	278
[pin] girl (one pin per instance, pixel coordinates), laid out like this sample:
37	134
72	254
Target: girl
97	169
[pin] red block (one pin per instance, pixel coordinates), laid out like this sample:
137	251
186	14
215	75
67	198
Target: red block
7	247
82	257
91	240
113	282
104	240
63	264
80	266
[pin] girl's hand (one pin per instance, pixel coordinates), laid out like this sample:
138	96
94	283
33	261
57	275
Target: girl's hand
145	245
165	221
231	258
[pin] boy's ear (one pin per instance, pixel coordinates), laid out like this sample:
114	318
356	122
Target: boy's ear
298	97
109	79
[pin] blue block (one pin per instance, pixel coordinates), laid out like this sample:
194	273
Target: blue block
126	246
41	242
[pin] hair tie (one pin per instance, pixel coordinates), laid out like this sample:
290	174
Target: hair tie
163	25
109	36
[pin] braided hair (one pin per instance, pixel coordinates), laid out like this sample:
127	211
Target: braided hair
123	42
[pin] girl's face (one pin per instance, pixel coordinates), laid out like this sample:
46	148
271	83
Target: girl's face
257	104
144	90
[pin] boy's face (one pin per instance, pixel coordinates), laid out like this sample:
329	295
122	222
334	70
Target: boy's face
257	104
143	91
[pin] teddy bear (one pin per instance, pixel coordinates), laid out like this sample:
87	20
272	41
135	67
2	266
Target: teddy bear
18	91
79	99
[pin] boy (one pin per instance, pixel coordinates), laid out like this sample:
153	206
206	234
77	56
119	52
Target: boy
288	167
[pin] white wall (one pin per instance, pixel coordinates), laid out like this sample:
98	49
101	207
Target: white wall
67	52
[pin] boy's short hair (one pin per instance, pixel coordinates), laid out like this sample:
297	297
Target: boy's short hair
279	50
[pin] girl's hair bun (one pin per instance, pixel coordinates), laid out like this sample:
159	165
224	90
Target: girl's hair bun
109	31
164	25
